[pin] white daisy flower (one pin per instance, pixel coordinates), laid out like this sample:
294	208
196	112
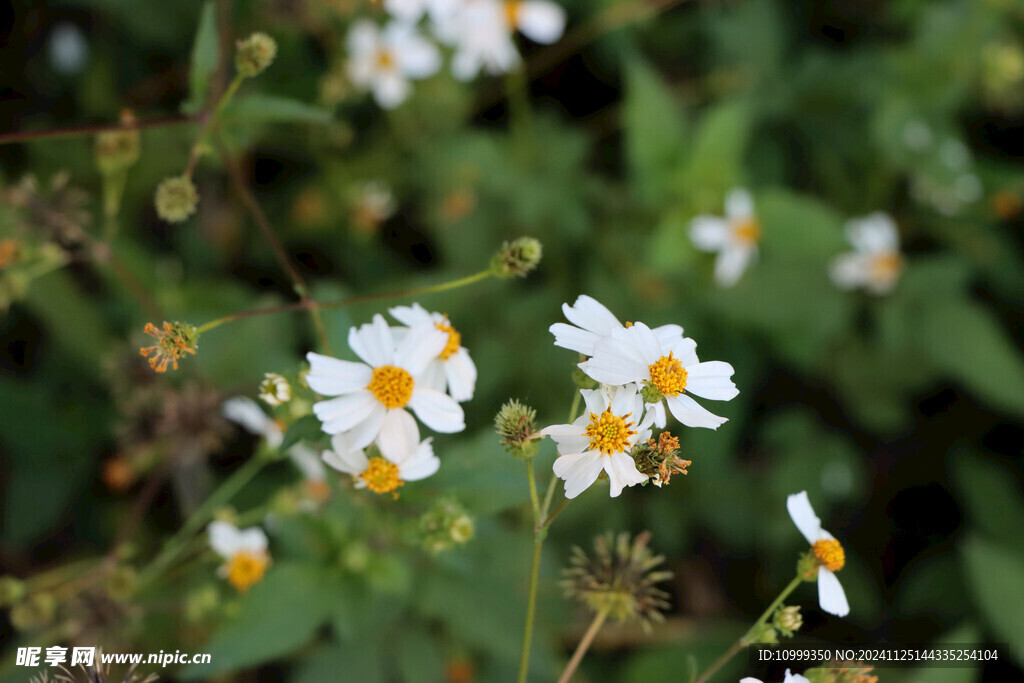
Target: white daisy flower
384	60
372	396
601	439
734	238
452	368
539	20
482	40
592	322
410	460
637	354
244	551
827	551
876	262
790	678
247	413
411	11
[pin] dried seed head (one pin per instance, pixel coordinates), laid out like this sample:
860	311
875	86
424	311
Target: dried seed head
517	258
516	423
176	199
173	341
659	460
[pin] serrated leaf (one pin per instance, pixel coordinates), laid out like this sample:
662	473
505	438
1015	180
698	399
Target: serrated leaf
995	576
260	108
205	55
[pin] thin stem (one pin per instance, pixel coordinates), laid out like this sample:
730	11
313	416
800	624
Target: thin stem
209	122
534	500
103	253
256	211
350	301
575	405
746	639
203	513
84	131
584	645
548	496
543	527
531	609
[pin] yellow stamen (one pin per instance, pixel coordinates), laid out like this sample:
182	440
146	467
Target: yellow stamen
668	375
385	60
391	386
884	267
454	339
747	230
609	433
381	476
245	569
829	552
512	9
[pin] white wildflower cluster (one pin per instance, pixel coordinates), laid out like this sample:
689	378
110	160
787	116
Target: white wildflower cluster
478	33
641	372
874	265
420	366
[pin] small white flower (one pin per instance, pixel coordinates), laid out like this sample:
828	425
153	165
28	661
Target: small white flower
601	439
539	20
384	60
372	396
244	552
482	40
410	460
247	413
275	390
790	678
411	11
876	262
637	355
734	238
827	551
452	368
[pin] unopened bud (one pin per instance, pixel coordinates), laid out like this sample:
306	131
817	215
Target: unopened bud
176	199
12	590
763	633
254	54
275	390
118	150
445	525
516	424
788	620
517	258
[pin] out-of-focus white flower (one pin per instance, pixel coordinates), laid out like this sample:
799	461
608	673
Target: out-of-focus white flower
384	61
539	20
828	554
482	40
411	11
244	551
734	238
917	135
670	370
247	413
790	678
452	369
410	460
68	48
371	397
601	439
876	262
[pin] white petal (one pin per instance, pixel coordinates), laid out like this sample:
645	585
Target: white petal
800	510
685	351
438	411
344	412
408	11
421	344
390	90
367	431
421	465
731	263
418	58
579	470
247	413
616	362
362	38
622	472
252	540
750	679
595	400
574	339
794	678
331	376
850	270
831	596
691	414
225	539
541	21
711	380
433	376
587	313
710	233
874	233
461	374
399	436
568	437
659	417
410	315
668	335
373	342
624	400
465	65
349	461
739	205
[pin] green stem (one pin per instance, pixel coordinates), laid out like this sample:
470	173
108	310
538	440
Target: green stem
746	639
584	645
227	490
350	301
84	131
550	518
575	406
534	500
531	609
209	124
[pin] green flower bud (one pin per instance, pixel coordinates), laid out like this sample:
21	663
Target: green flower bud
517	258
118	150
516	424
788	620
176	199
765	634
254	54
445	525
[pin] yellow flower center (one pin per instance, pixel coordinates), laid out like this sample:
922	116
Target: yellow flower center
609	433
668	375
391	386
454	339
512	9
381	476
747	230
829	552
245	569
884	267
385	60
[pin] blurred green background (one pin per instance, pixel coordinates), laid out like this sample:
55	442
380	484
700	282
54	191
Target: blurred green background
899	414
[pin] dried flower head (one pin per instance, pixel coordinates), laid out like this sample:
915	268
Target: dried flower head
176	199
660	460
254	54
118	150
517	258
516	423
60	214
619	579
173	341
96	672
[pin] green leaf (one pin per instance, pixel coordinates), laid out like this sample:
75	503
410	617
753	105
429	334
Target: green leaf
798	226
307	428
260	108
655	132
992	500
205	55
929	674
995	576
357	661
717	156
279	615
419	657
